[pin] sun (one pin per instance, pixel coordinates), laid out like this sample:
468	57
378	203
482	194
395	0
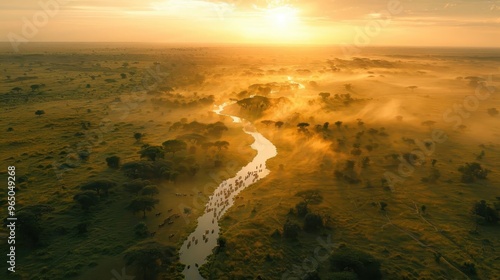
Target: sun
282	17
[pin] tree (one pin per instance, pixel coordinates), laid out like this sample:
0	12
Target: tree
338	124
412	88
141	230
325	125
39	112
216	129
138	136
302	209
150	190
113	161
193	138
484	210
34	87
17	89
348	87
291	230
142	204
324	95
383	205
86	199
279	124
221	145
364	265
98	186
123	75
221	242
302	126
267	122
28	222
492	112
29	226
312	222
173	146
135	186
207	145
472	171
152	152
148	257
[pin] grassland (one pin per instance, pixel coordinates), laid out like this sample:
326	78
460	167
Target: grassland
378	107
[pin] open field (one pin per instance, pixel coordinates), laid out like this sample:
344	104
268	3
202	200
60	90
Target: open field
376	147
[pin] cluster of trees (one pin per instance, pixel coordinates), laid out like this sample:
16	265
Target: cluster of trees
277	124
348	173
311	221
345	99
486	212
492	112
29	223
472	171
347	263
144	192
35	87
180	102
207	130
149	257
154	153
91	192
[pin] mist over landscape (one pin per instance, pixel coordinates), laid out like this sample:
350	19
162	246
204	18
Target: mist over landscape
250	140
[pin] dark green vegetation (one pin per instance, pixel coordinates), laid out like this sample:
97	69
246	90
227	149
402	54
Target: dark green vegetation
99	142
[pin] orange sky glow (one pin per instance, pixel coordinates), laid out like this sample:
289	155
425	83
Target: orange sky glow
360	22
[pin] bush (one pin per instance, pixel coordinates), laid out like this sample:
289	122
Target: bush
484	210
141	230
312	222
365	266
468	268
98	186
344	275
291	230
86	199
472	171
302	209
221	242
113	161
135	186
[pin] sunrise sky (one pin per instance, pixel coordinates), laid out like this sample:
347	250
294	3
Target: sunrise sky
413	23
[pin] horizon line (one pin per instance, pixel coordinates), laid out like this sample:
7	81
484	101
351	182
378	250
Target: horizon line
256	44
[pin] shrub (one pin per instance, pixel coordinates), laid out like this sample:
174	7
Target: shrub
150	190
86	199
221	242
141	230
135	186
365	266
383	205
484	210
98	186
312	222
302	209
472	171
291	230
113	161
468	268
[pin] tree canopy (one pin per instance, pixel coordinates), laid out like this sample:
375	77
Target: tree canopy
173	146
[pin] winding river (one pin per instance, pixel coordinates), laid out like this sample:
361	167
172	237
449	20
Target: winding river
200	243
